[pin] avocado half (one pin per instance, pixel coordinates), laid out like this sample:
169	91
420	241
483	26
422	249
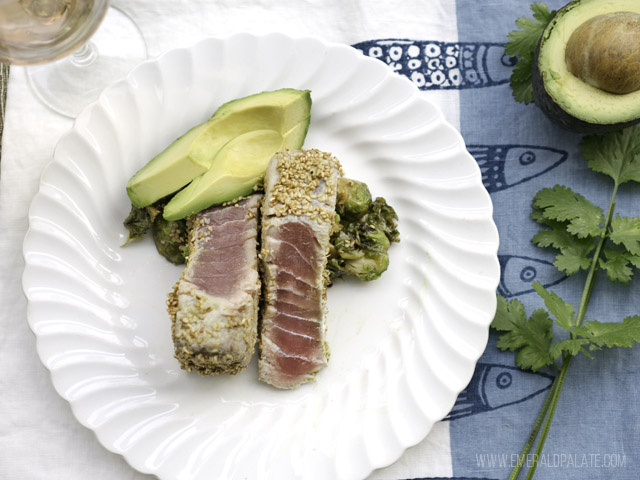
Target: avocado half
568	100
286	111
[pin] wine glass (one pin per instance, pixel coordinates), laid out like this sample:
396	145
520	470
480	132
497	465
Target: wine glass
72	48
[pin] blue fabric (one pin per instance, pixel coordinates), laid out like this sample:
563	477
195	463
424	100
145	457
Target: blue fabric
596	429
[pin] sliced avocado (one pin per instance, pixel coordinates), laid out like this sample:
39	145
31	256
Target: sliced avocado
192	154
578	86
239	166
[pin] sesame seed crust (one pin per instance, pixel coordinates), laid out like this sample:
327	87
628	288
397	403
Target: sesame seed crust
305	185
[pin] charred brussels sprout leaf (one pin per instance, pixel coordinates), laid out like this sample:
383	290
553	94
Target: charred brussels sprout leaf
363	234
384	217
140	221
170	237
345	248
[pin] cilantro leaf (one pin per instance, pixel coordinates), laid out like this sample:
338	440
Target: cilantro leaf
574	252
521	81
610	335
541	12
556	236
634	260
616	264
573	221
523	43
573	259
531	337
573	256
572	346
508	313
563	204
563	312
626	232
615	154
596	335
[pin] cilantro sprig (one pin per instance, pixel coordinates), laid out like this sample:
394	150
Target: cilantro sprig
585	239
522	44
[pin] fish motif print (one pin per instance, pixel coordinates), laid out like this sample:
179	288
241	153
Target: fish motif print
504	166
435	65
496	386
517	273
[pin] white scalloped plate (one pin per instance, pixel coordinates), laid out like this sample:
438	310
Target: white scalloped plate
402	347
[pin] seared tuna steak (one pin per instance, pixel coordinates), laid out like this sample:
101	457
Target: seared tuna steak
298	213
214	305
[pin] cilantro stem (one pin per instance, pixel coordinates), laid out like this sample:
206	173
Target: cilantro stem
555	396
595	262
534	432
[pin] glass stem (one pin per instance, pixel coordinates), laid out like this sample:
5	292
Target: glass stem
85	55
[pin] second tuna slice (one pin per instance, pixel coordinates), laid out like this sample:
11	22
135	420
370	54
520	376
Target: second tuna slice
298	213
214	305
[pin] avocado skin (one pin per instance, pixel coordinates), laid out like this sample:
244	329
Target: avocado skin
561	117
555	112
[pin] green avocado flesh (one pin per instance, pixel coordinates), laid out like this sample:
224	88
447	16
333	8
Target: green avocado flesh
239	166
567	99
286	111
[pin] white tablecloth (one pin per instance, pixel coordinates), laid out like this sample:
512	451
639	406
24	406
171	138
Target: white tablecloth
39	437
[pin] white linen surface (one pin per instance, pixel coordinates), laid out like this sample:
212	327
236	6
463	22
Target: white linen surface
39	437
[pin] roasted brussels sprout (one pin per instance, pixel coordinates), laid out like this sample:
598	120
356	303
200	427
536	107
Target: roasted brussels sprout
354	198
363	233
373	259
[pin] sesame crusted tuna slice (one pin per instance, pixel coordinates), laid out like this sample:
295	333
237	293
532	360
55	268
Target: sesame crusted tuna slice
298	212
214	305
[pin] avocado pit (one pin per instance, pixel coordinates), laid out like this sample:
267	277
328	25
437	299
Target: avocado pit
605	52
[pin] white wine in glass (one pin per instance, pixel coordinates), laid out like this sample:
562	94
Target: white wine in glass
73	48
38	31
